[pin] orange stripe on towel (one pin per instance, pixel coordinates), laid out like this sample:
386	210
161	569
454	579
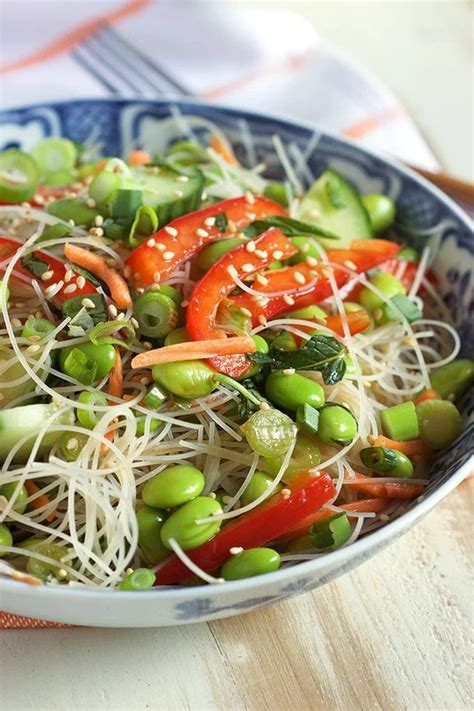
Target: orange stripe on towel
372	122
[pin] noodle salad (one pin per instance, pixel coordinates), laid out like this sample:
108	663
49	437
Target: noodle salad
204	374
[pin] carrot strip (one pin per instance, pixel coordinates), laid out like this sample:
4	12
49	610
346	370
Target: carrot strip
223	150
412	447
115	389
195	350
138	158
97	265
40	501
396	490
427	395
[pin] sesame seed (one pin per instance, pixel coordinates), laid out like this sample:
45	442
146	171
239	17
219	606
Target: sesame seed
145	380
251	216
313	274
210	221
261	279
112	310
262	301
19	305
250	246
231	226
121	316
135	323
81	282
385	518
304	248
202	233
38	314
71	222
34	339
277	254
33	349
172	231
70	289
182	178
184	303
49	289
311	261
262	320
161	246
212	494
68	276
249	198
314	213
156	277
90	202
147	345
235	550
246	312
349	264
141	291
264	406
247	268
72	443
263	254
204	196
178	193
154	287
289	371
46	276
420	499
285	493
288	299
16	323
168	256
98	220
62	573
378	313
126	272
88	303
151	242
299	278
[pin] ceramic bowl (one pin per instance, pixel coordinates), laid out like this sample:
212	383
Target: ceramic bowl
423	212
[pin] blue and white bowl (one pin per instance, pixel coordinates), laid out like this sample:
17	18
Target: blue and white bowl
423	211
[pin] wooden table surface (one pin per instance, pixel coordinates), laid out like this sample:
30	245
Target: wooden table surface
392	634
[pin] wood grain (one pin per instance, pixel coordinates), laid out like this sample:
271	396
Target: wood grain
393	634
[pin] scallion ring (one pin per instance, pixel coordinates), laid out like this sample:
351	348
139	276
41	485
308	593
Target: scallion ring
156	314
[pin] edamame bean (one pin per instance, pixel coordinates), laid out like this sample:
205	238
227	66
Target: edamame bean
308	313
278	192
178	335
213	252
42	569
440	423
336	425
150	522
388	462
305	456
453	379
381	210
269	432
8	490
141	579
173	486
292	390
307	246
262	347
409	254
188	379
285	342
183	527
6	538
251	562
387	284
257	486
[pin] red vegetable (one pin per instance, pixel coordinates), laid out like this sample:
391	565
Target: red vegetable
190	233
217	283
263	524
358	321
55	267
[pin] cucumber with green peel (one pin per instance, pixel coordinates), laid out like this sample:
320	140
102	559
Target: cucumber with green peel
18	422
333	204
15	371
170	192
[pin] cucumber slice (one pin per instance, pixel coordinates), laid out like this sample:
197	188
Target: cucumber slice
333	204
17	422
13	372
171	193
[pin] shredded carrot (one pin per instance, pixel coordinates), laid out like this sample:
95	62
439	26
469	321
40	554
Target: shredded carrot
412	447
39	501
195	350
377	505
100	165
97	265
223	149
427	395
139	158
396	490
115	389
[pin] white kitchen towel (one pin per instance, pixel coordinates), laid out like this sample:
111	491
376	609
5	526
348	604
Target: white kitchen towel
245	55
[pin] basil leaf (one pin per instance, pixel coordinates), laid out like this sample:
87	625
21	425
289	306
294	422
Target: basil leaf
289	227
87	275
221	221
34	265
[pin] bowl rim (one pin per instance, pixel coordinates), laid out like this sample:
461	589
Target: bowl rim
377	538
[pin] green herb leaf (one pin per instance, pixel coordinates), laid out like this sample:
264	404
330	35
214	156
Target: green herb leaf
402	304
289	227
98	314
104	333
54	232
333	192
88	276
221	221
34	265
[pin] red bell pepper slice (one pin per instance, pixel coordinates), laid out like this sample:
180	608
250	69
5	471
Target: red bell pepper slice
9	247
263	524
359	260
217	283
190	233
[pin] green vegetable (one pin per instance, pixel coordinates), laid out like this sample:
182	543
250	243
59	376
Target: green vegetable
307	246
188	379
336	425
104	186
308	416
154	398
213	252
408	253
41	569
156	314
178	335
171	192
331	533
440	423
381	210
292	390
150	522
88	418
387	284
55	155
19	176
387	461
399	304
251	562
258	485
400	421
333	205
60	179
262	347
320	352
173	486
6	538
71	445
19	422
54	232
289	227
75	209
453	379
171	292
269	432
34	265
141	579
183	527
37	328
98	314
154	423
279	192
308	313
14	372
144	224
103	334
125	203
305	456
285	342
11	490
87	362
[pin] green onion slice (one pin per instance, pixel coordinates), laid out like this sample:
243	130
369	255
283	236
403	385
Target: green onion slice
19	176
156	314
332	532
308	416
154	398
88	418
104	333
380	459
78	366
54	155
71	445
39	327
144	225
